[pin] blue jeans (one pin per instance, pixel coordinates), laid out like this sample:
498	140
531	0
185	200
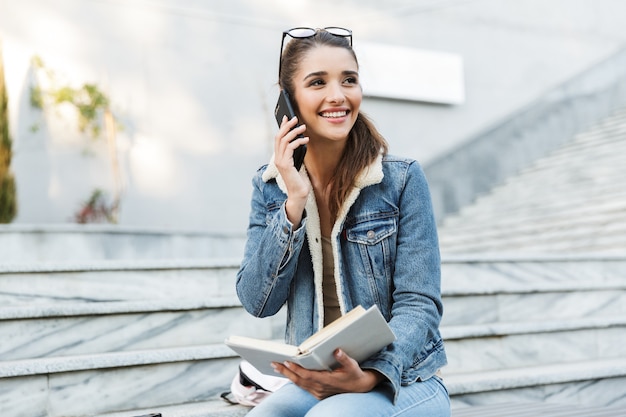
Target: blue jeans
420	399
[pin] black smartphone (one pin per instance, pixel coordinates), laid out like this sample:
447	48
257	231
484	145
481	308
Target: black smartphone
284	108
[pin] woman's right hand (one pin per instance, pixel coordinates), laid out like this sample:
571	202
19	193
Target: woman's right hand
298	189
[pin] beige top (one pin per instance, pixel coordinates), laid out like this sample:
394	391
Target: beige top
332	311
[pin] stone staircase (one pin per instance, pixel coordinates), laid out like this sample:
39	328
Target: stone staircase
114	335
82	339
545	328
550	246
123	338
572	201
113	322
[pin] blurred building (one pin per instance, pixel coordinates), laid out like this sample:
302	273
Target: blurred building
194	83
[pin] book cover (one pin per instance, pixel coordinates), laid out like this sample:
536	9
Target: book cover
360	334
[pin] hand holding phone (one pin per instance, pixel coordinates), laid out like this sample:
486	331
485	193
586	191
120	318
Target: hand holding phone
284	108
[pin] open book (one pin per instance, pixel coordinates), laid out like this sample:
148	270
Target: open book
360	334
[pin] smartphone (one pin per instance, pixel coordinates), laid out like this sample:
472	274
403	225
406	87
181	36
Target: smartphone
284	108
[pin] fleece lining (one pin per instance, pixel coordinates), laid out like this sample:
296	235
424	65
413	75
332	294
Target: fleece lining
369	176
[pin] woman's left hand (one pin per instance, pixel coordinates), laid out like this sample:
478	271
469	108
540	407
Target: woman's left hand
349	377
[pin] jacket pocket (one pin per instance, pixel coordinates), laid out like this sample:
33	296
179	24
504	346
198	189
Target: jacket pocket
373	237
371	229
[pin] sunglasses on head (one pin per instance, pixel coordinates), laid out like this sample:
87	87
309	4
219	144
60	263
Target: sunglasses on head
302	33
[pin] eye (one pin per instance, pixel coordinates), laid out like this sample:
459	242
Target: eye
317	82
351	80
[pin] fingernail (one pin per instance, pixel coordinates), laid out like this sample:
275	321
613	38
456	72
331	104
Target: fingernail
287	364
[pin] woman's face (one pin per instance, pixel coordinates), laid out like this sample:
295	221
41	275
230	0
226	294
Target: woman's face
328	93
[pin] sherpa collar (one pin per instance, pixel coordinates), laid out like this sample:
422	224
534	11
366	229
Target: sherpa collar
371	175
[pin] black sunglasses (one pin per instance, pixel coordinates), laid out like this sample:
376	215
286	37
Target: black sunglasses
302	33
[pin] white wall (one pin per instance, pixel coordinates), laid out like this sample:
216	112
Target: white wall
193	82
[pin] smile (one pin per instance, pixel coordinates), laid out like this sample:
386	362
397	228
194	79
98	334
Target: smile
334	114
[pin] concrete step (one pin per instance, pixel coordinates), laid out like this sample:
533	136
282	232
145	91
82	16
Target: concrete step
120	327
606	145
536	306
604	210
75	242
517	273
484	289
488	214
591	382
587	235
475	289
95	384
537	219
563	179
214	408
571	164
495	346
599	382
107	281
533	409
615	245
82	329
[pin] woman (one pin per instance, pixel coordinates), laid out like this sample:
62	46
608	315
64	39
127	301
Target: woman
353	227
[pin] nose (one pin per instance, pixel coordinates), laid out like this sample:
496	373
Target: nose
335	93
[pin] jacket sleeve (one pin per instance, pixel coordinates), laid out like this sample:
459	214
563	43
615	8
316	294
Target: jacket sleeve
270	255
416	305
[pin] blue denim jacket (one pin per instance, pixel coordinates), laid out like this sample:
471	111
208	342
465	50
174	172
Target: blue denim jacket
386	253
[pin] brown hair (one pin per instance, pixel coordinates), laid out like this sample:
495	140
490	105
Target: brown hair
364	143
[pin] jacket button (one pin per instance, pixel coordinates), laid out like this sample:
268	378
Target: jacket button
371	234
286	229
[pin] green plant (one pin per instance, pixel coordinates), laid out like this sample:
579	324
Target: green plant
94	118
89	101
96	209
8	198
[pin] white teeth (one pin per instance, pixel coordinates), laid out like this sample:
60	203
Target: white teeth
335	114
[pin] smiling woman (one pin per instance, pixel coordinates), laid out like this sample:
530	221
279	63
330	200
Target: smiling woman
353	226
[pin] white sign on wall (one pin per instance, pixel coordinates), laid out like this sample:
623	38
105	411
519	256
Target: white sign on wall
397	72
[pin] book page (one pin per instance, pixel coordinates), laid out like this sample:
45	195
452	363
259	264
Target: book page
333	328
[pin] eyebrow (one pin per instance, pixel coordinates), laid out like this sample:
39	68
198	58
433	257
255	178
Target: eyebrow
322	73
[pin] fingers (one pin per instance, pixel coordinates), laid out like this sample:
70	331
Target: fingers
315	382
287	134
284	370
293	371
285	143
346	361
321	384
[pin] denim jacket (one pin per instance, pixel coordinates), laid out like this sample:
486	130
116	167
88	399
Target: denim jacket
386	252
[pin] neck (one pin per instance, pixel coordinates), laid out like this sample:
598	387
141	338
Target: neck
321	160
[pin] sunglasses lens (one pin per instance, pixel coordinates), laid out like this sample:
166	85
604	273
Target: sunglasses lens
301	32
339	31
